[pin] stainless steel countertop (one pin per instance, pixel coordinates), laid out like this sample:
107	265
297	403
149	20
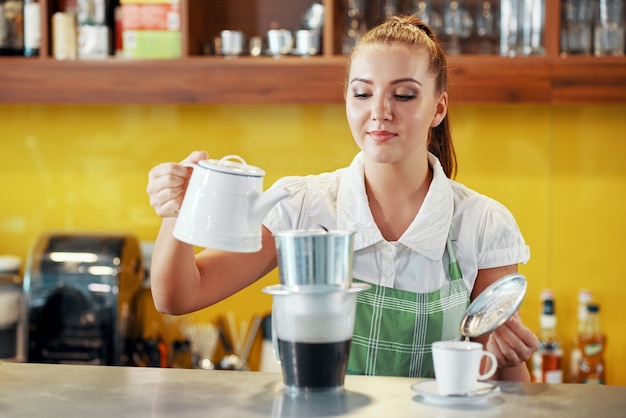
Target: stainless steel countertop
67	391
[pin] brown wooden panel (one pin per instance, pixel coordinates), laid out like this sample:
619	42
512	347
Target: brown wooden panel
490	79
551	31
473	79
589	80
192	80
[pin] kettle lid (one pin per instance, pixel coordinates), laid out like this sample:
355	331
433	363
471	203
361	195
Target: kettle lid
233	164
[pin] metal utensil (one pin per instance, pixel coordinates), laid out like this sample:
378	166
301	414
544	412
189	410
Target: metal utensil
203	339
245	352
238	360
478	392
230	361
494	306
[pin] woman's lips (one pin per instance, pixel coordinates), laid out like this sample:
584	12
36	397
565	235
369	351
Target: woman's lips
381	136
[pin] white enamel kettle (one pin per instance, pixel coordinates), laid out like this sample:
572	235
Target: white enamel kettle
224	205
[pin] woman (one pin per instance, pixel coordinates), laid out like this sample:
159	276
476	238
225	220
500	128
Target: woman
427	244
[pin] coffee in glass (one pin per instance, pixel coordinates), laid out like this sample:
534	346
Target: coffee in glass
312	329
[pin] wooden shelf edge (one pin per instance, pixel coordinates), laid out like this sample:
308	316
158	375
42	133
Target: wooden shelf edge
318	80
494	80
188	80
577	80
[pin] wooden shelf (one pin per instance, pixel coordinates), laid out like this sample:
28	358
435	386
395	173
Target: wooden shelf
266	80
580	80
187	80
474	79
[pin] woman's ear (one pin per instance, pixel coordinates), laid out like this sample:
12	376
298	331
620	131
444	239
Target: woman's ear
441	110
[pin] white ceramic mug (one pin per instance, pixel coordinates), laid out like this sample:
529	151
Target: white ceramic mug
457	366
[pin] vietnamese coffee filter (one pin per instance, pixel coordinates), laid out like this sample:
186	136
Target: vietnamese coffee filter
494	306
315	257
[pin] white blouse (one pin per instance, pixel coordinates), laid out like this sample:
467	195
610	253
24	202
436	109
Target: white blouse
484	233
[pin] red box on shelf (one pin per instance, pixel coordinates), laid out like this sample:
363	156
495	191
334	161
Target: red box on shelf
151	17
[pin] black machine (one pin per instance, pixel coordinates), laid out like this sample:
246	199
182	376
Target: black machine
80	292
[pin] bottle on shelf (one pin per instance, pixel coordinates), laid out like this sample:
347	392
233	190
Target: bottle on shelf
32	28
92	29
547	361
64	36
585	297
11	27
592	343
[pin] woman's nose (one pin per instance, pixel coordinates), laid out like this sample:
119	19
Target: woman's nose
381	110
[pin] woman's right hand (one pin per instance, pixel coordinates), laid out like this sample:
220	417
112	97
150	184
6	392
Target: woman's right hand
167	183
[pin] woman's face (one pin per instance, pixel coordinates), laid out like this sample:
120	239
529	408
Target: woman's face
391	103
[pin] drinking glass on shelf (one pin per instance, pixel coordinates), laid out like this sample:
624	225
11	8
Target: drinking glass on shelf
390	8
510	28
609	30
457	25
427	13
486	27
522	25
532	26
355	24
577	26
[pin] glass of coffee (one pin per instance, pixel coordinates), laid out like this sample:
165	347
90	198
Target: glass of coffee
312	329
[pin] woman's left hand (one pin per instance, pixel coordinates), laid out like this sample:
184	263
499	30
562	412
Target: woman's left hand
512	343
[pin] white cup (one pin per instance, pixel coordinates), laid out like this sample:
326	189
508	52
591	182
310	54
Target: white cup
280	41
232	42
457	366
307	42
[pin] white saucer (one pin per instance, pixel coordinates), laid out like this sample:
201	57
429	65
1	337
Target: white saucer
430	393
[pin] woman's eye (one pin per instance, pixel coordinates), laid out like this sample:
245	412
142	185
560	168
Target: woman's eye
404	97
360	95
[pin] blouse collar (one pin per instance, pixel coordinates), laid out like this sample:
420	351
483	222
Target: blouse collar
428	232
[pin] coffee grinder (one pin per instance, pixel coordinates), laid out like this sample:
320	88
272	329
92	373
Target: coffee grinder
11	307
80	293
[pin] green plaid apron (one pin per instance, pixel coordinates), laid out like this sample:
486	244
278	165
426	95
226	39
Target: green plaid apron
394	328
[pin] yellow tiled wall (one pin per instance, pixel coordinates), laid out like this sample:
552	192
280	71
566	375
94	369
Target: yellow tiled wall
561	170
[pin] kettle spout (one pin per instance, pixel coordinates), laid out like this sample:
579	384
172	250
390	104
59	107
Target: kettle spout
266	201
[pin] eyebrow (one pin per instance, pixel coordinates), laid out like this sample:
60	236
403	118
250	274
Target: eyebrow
400	80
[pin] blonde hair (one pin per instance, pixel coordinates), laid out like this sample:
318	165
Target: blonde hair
412	32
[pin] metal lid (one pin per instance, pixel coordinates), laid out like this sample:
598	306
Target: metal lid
494	306
233	164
